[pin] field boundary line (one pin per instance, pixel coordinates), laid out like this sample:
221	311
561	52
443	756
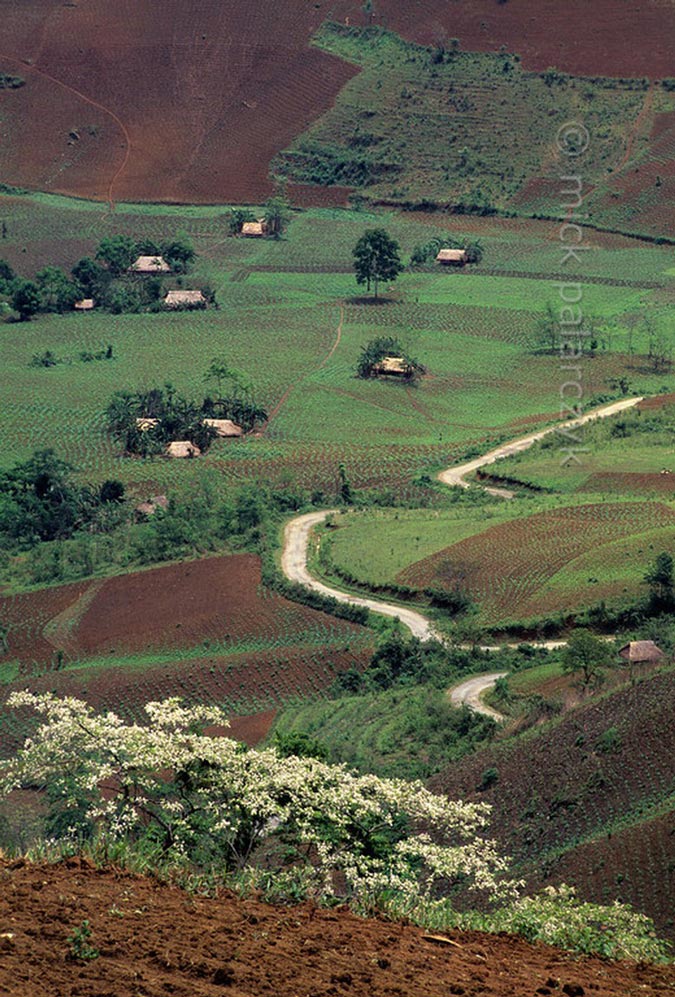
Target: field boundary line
297	534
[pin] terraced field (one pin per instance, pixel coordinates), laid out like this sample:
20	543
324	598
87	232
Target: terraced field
282	305
202	630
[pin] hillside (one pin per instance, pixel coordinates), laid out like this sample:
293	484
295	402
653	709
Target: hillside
155	939
135	101
588	797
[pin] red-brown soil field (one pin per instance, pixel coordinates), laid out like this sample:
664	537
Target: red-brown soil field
214	600
207	604
154	939
569	784
140	101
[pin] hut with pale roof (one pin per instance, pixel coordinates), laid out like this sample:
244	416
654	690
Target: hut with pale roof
150	264
224	427
642	652
393	366
182	448
185	299
254	230
452	257
143	424
84	305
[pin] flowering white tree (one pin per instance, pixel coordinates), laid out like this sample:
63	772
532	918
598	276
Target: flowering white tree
209	799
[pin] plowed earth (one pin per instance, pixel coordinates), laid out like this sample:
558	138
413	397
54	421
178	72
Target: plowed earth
172	102
180	605
206	604
155	940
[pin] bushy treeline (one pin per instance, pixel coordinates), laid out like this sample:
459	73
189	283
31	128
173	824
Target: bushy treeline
104	277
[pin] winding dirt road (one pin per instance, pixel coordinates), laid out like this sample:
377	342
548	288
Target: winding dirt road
294	566
456	476
469	693
298	531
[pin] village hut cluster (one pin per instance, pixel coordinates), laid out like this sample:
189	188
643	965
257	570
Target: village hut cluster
148	266
185	449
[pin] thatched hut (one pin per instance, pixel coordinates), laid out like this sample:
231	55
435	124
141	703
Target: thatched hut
150	264
393	366
143	424
185	299
452	257
182	448
254	230
84	305
224	427
642	652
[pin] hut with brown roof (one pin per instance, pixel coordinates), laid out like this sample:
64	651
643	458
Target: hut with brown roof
224	427
185	299
182	448
452	257
150	264
84	305
254	230
641	652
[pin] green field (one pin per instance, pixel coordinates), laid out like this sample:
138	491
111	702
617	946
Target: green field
283	306
518	562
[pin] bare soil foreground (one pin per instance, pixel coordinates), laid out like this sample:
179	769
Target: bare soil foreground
180	102
156	940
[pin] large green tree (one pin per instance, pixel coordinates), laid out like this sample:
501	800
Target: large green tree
118	252
26	299
57	292
586	657
376	258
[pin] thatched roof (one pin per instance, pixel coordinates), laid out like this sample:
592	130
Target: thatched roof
144	424
182	448
641	651
451	256
254	228
174	299
392	365
150	507
224	427
150	264
85	305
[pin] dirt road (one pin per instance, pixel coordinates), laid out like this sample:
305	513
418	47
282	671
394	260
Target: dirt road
469	694
294	566
456	476
298	531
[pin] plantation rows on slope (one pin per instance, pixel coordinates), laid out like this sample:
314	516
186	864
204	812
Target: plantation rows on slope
569	782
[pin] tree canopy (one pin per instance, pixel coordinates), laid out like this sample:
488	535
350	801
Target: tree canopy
376	258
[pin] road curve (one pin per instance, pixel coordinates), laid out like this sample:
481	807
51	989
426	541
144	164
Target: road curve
469	692
297	533
294	566
456	476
